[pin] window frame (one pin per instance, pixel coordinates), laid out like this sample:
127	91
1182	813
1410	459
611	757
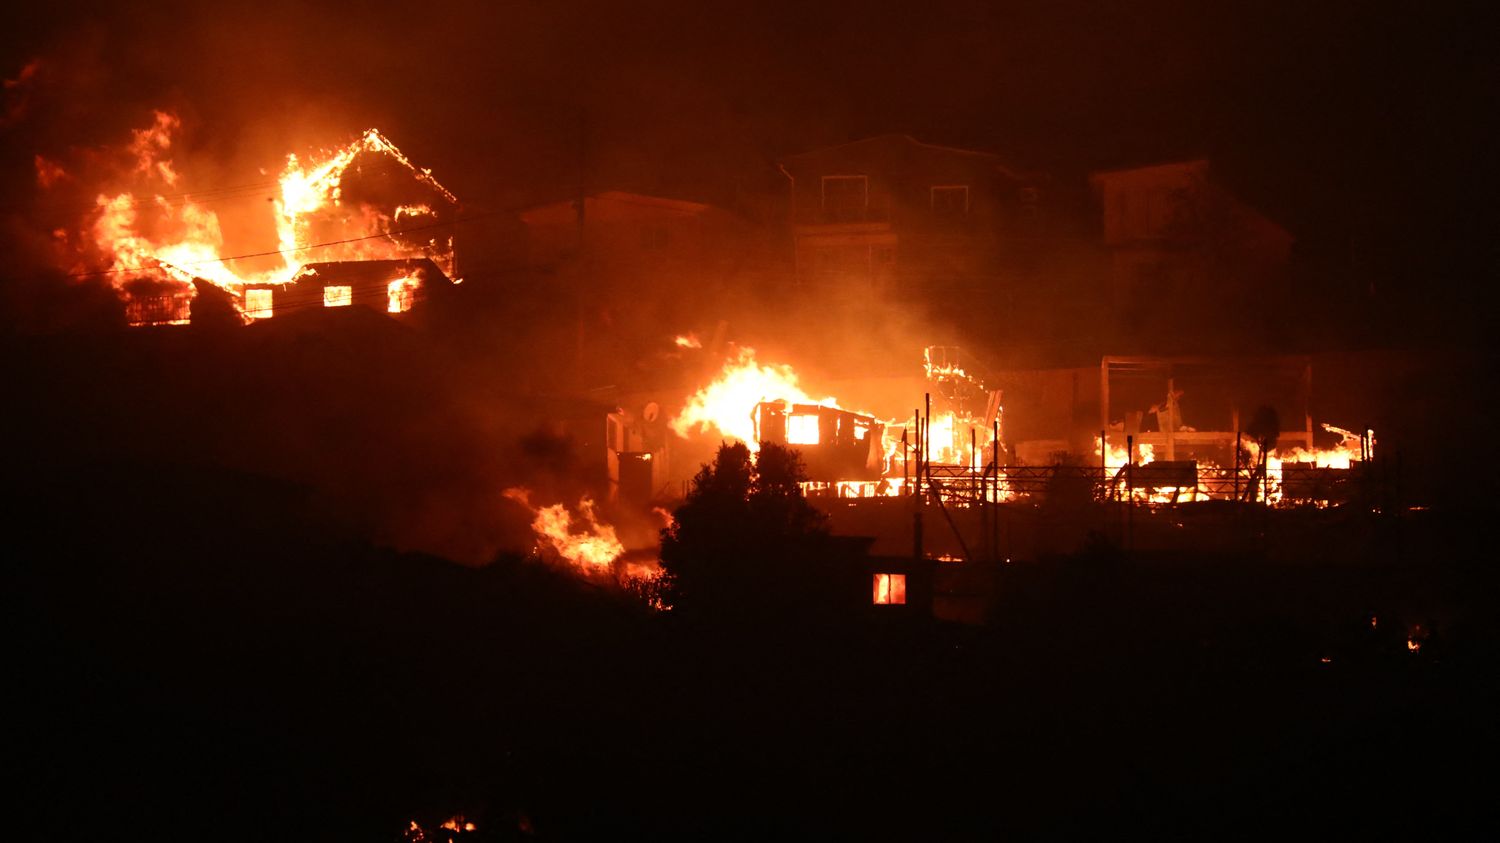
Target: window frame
338	295
932	194
265	311
894	593
864	182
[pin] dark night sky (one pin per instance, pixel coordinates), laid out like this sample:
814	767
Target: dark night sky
1328	115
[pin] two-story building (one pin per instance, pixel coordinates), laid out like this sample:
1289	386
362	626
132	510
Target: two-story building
894	214
1188	258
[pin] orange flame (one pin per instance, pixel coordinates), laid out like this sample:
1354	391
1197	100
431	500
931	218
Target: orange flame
727	405
585	543
144	236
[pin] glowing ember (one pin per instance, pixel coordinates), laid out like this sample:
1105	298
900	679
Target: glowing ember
687	341
583	541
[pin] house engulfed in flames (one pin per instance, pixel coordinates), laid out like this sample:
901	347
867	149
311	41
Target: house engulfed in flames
357	225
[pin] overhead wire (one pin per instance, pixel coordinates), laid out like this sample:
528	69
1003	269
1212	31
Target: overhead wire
208	261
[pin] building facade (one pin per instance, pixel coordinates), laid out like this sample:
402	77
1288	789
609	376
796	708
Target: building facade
892	214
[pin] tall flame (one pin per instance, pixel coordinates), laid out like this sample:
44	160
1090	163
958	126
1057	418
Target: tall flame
147	234
727	405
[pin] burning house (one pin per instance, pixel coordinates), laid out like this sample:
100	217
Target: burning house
357	225
388	286
947	483
836	445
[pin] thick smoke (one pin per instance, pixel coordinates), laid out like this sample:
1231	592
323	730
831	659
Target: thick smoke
414	435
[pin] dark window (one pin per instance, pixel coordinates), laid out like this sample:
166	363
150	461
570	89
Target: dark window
950	200
846	197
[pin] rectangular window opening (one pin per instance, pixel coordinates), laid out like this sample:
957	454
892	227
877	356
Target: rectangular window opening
802	429
890	589
401	294
338	296
258	304
950	200
846	197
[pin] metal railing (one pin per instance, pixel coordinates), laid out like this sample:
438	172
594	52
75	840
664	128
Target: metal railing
1148	483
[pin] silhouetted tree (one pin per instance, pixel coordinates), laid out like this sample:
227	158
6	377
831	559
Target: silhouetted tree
1264	429
742	539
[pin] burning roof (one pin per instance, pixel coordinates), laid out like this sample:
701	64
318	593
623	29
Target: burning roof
363	201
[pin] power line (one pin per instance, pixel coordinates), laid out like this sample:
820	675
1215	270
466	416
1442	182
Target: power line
206	196
429	227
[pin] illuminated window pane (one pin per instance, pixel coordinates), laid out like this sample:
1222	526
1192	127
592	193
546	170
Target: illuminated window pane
338	296
890	589
400	294
258	304
802	430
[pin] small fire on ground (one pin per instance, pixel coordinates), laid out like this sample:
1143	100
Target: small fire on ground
579	539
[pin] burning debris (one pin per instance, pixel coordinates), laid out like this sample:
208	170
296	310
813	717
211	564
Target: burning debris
955	450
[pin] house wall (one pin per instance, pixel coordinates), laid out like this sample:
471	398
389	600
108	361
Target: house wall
892	228
1188	260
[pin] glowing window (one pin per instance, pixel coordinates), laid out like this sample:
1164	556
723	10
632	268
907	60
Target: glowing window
338	296
890	589
258	304
802	430
400	294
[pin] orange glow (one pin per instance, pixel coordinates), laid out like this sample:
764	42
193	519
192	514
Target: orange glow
581	541
802	429
401	294
338	296
890	589
727	405
1346	454
142	235
687	341
258	304
457	823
